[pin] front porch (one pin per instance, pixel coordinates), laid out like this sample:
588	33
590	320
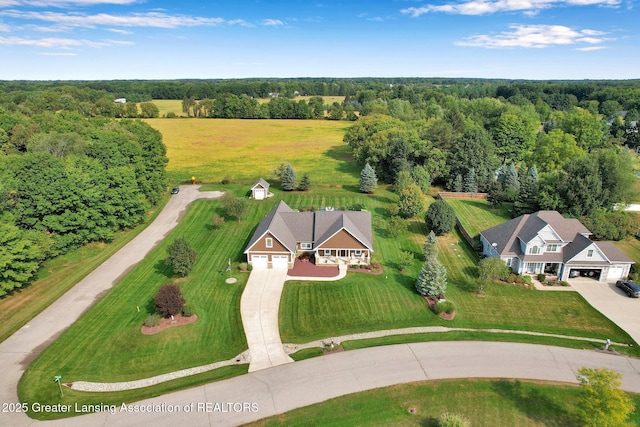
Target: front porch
341	257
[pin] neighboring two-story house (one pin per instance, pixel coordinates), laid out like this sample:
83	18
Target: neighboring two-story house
545	242
328	237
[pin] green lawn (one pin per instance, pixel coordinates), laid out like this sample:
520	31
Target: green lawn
484	403
477	215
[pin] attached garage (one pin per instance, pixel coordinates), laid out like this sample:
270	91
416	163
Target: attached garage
260	261
617	272
591	273
280	261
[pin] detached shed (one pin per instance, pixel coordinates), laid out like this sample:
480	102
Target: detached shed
260	190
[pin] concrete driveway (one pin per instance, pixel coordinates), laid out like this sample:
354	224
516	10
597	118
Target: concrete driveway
612	302
259	307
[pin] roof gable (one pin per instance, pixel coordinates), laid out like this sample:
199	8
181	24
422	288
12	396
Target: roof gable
290	227
261	183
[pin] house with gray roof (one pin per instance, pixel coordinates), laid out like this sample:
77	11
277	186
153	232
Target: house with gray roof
328	237
546	242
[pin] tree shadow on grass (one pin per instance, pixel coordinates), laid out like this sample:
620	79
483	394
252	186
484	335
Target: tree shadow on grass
429	422
161	267
535	405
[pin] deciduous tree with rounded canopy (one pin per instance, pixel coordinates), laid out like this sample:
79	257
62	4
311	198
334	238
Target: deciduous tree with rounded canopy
182	257
169	301
440	217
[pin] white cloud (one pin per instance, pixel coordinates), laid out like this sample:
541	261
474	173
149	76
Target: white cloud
4	28
61	3
534	36
590	48
272	22
57	54
485	7
149	19
119	31
51	42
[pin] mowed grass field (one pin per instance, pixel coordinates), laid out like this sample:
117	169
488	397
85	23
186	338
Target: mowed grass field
482	402
477	215
245	150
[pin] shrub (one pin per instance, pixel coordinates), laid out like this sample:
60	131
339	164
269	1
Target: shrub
564	283
542	277
453	420
355	207
152	321
243	266
187	310
493	268
226	180
169	300
444	307
512	278
526	279
171	115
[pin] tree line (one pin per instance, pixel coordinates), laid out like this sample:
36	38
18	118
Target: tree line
66	180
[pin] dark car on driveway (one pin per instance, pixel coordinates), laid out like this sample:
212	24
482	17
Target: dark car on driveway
175	190
632	289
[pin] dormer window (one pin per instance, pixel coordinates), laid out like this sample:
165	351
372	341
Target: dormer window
535	250
552	247
268	242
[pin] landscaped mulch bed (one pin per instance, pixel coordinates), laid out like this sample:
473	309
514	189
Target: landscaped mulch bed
372	270
178	320
432	305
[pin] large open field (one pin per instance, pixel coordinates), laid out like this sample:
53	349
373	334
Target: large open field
245	150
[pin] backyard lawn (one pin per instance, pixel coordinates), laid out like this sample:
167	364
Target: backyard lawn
477	215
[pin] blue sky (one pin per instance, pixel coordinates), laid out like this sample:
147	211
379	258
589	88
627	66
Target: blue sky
130	39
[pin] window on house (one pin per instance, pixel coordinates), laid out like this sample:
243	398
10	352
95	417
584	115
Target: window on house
589	253
305	245
534	250
357	253
269	242
552	248
327	252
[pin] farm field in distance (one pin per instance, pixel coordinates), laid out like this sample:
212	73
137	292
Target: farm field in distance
245	150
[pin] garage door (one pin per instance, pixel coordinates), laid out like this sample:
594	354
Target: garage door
280	261
615	272
259	261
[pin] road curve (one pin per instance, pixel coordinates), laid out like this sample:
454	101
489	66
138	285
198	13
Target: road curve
282	388
19	350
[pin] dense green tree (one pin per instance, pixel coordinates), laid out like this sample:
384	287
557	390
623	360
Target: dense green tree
611	224
473	149
587	129
458	184
411	201
403	180
182	257
602	402
492	268
149	110
421	177
20	257
440	217
368	179
396	225
234	206
554	149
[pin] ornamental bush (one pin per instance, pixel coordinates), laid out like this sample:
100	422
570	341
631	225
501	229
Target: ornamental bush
169	300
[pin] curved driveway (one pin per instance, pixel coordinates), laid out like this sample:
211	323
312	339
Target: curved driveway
17	351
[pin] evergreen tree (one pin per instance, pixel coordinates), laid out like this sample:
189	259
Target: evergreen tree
457	184
305	183
421	177
533	173
403	180
495	195
510	178
470	185
527	201
430	248
289	179
432	280
368	179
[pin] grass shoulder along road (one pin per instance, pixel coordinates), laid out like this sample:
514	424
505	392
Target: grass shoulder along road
483	402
